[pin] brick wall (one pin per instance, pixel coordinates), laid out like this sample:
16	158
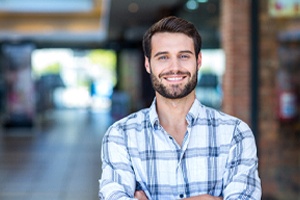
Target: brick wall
278	143
235	24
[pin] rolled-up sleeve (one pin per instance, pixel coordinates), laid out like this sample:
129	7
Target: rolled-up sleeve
241	178
117	180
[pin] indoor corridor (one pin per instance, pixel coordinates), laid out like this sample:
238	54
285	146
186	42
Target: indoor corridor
59	159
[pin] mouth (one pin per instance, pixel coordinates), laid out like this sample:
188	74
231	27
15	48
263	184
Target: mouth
175	78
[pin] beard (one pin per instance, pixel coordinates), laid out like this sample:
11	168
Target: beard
174	91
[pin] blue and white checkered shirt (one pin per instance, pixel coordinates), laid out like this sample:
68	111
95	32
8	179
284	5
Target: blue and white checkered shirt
218	157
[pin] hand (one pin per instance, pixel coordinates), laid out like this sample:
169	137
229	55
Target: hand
140	195
204	197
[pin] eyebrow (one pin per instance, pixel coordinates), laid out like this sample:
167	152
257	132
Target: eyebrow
187	51
160	53
165	52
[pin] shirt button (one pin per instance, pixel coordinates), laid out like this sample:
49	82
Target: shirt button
170	137
181	195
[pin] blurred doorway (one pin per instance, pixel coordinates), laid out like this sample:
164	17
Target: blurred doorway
69	78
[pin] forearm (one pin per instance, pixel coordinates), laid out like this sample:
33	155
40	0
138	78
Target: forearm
112	192
140	195
118	179
116	183
204	197
241	180
112	187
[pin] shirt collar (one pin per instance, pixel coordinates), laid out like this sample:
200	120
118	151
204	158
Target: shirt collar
153	114
194	112
191	116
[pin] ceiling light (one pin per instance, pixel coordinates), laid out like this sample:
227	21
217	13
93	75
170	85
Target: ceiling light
192	5
202	1
133	7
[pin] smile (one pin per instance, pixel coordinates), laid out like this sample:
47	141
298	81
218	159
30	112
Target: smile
175	78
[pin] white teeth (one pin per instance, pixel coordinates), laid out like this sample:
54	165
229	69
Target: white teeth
174	78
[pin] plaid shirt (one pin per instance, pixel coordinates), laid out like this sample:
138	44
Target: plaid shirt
217	157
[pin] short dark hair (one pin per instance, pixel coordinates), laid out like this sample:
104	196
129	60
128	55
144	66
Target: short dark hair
172	24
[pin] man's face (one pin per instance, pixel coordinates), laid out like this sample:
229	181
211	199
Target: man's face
173	65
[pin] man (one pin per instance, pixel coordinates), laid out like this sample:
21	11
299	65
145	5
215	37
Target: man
178	148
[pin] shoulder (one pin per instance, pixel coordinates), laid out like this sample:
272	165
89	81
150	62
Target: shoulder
223	120
217	115
230	129
128	129
135	120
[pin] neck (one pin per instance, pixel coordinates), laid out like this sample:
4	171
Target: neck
173	111
172	114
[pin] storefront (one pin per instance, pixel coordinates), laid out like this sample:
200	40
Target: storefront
267	58
279	140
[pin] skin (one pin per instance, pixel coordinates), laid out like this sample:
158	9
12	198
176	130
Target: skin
173	67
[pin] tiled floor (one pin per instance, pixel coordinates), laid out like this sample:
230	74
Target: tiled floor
56	160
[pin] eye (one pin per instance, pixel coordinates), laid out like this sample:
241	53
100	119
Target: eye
184	56
162	58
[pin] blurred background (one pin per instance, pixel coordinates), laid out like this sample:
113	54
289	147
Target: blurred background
69	69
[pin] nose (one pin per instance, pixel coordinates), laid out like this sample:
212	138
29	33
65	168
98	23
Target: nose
174	64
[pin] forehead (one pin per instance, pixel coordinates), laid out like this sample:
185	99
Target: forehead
171	42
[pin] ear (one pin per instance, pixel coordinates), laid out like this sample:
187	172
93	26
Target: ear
199	60
147	64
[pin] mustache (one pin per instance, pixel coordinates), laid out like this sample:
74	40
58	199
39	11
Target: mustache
174	73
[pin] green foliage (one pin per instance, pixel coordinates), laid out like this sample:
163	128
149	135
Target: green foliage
53	68
206	70
104	58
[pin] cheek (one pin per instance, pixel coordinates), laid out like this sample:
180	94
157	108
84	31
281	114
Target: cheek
153	69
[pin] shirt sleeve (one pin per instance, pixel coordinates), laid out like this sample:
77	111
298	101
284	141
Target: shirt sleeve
118	179
241	179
